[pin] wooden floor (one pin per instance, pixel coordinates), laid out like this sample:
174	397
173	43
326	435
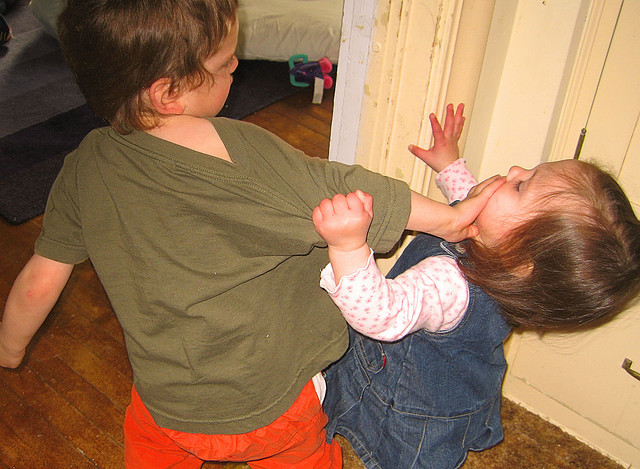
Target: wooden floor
64	407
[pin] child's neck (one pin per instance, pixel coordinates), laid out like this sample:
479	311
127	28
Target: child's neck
195	133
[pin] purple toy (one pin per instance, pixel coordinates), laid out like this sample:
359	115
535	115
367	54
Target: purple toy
303	73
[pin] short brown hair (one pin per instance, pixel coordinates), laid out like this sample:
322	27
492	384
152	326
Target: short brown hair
575	262
118	48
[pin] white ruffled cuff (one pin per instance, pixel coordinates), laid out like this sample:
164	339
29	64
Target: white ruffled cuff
455	180
328	279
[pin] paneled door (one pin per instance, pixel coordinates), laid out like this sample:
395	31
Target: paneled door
577	380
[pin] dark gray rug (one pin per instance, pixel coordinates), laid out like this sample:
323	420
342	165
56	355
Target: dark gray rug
44	116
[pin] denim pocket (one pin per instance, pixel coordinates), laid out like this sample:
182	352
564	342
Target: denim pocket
370	354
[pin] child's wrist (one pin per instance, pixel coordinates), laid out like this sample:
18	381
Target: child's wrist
9	357
450	228
452	165
348	249
348	261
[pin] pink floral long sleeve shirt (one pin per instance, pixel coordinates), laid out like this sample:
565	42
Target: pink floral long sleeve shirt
431	295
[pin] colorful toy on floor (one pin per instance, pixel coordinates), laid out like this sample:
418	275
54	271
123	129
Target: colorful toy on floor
5	31
303	73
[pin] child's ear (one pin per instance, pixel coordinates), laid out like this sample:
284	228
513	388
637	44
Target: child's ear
474	232
164	98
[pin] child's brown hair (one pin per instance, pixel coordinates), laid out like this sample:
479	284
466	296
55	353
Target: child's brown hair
576	261
118	48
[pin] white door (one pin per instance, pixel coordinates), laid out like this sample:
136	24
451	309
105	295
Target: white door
577	380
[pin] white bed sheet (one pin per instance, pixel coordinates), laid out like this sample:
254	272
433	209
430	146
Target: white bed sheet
269	29
278	29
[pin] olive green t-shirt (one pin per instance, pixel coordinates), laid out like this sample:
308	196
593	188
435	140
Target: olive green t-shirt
212	267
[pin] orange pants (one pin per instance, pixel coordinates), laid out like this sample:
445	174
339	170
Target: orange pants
296	439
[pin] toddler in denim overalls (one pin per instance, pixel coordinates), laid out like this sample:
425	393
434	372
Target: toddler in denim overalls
420	385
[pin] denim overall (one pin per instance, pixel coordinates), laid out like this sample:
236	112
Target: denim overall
426	400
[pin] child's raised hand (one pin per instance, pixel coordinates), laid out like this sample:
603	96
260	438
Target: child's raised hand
344	220
445	141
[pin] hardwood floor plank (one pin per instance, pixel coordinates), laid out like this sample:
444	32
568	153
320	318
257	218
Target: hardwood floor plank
14	452
35	432
88	399
97	446
93	337
314	117
299	122
294	133
17	248
55	342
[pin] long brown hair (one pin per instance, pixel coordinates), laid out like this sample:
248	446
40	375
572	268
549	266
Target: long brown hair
118	48
576	261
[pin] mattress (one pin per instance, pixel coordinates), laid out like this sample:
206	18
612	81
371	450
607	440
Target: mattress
269	29
278	29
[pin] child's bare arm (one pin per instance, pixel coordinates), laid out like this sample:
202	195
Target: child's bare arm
453	223
30	300
343	222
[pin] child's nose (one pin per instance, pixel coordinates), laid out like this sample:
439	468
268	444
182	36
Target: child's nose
514	172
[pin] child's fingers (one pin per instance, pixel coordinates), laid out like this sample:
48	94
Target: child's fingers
458	123
354	202
449	124
421	153
483	191
361	196
454	121
339	204
480	187
317	216
324	210
480	194
366	201
470	208
325	206
436	128
319	222
416	150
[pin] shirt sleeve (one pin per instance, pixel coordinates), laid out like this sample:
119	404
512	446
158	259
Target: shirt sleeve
432	295
455	181
303	181
61	238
